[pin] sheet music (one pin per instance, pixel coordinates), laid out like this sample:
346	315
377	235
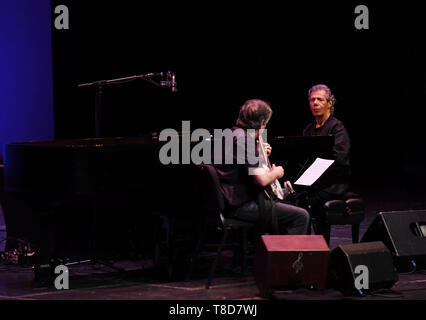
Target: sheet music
314	172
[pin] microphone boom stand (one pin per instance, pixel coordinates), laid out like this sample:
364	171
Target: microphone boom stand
99	92
99	85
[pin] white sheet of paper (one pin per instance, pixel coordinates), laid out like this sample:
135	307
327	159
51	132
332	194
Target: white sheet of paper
314	172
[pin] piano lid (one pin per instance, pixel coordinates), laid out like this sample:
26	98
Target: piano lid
88	142
80	166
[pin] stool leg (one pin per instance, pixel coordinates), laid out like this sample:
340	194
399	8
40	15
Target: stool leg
195	256
310	227
315	226
245	250
216	260
327	232
355	233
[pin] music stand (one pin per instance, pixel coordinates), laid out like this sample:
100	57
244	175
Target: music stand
296	153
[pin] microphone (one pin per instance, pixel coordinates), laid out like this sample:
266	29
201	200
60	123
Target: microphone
170	82
174	84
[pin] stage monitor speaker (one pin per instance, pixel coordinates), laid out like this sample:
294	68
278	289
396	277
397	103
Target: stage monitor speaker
404	233
291	261
375	256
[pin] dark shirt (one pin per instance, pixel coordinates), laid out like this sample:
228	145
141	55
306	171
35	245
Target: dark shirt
236	183
335	179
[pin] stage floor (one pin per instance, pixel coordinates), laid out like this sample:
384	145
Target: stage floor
140	281
97	282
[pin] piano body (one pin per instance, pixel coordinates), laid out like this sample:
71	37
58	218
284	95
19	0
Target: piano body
84	198
77	199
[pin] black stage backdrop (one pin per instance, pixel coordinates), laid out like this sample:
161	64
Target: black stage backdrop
224	54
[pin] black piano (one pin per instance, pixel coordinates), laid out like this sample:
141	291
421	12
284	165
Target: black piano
99	197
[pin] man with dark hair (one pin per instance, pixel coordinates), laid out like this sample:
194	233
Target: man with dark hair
333	184
243	181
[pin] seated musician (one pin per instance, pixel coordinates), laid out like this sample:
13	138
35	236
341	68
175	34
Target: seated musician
243	189
334	183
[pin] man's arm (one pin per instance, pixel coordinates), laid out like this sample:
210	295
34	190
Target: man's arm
340	170
342	144
264	178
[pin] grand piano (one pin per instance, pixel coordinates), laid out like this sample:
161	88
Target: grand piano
102	197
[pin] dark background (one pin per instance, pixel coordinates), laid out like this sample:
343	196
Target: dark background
224	54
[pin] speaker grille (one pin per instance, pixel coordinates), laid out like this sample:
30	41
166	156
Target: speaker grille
374	255
400	232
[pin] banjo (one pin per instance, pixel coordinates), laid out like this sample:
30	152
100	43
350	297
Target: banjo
275	186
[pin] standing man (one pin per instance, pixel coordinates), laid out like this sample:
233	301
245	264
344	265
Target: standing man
334	183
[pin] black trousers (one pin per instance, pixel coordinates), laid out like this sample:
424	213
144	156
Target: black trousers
291	219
